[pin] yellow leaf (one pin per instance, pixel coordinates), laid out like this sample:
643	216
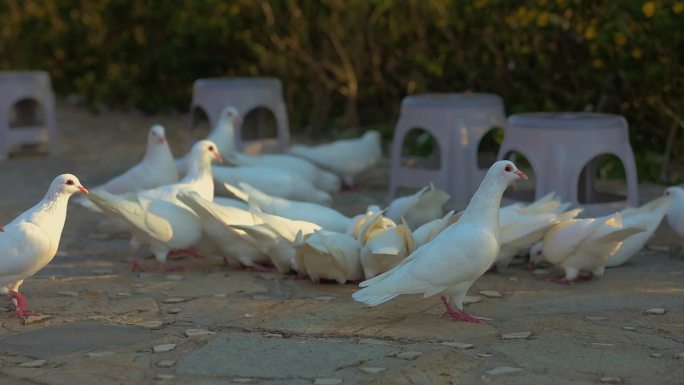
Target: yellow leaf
543	19
597	63
678	7
590	32
620	39
637	53
648	8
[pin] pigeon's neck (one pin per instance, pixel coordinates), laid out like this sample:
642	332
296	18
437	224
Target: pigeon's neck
49	214
200	179
156	151
483	209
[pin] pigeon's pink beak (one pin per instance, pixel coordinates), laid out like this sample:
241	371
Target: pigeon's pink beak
521	175
2	229
83	190
237	120
162	140
218	157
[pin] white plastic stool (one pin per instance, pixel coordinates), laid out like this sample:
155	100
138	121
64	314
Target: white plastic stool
16	89
245	94
559	144
458	122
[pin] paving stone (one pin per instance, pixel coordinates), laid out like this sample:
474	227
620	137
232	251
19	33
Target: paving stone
55	340
68	293
594	318
163	348
541	272
502	370
516	336
611	380
602	344
630	328
33	364
372	369
150	325
235	355
656	311
166	363
174	300
164	377
655	355
373	341
491	293
174	277
197	332
100	354
458	345
328	381
468	299
679	356
34	319
410	355
174	310
325	298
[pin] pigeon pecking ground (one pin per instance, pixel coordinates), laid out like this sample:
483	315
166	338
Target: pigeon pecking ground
215	325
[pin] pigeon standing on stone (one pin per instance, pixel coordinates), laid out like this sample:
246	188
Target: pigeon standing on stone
30	241
449	264
155	169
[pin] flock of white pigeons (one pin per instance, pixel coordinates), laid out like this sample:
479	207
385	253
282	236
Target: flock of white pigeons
279	218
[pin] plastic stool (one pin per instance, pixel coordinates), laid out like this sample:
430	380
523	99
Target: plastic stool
559	144
458	122
245	94
22	95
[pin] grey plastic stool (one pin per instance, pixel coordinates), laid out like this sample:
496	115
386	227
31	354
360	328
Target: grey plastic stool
559	144
245	94
22	95
458	122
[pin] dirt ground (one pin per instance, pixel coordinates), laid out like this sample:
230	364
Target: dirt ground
217	325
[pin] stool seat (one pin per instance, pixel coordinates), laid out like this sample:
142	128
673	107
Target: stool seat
245	94
457	122
559	145
24	95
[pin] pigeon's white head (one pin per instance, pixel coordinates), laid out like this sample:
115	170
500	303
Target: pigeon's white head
66	184
675	192
156	135
230	113
506	172
205	151
536	255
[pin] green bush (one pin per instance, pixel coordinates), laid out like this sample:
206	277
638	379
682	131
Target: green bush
350	62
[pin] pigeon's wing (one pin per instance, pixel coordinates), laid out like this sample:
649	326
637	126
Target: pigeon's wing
21	246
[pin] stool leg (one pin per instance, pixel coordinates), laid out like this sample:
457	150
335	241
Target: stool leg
282	127
395	161
631	176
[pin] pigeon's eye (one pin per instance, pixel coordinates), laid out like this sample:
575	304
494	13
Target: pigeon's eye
508	168
211	148
70	182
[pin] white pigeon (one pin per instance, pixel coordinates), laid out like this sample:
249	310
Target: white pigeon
584	245
419	208
449	264
277	236
328	255
156	217
675	214
430	230
383	247
30	241
346	158
155	169
647	216
521	227
231	202
357	222
322	180
326	217
273	181
222	134
218	221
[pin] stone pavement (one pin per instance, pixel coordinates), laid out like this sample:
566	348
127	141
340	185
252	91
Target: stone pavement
218	325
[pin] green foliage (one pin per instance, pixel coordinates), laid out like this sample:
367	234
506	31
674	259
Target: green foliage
350	62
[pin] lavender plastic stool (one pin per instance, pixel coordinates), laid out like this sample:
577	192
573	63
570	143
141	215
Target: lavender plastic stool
23	95
559	144
245	94
458	122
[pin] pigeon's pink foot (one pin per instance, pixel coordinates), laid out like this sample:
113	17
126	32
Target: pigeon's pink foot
565	281
225	261
259	268
346	186
2	228
181	252
20	308
136	266
458	314
171	268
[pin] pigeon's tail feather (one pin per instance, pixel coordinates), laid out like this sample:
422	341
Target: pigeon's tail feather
619	235
239	194
372	299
